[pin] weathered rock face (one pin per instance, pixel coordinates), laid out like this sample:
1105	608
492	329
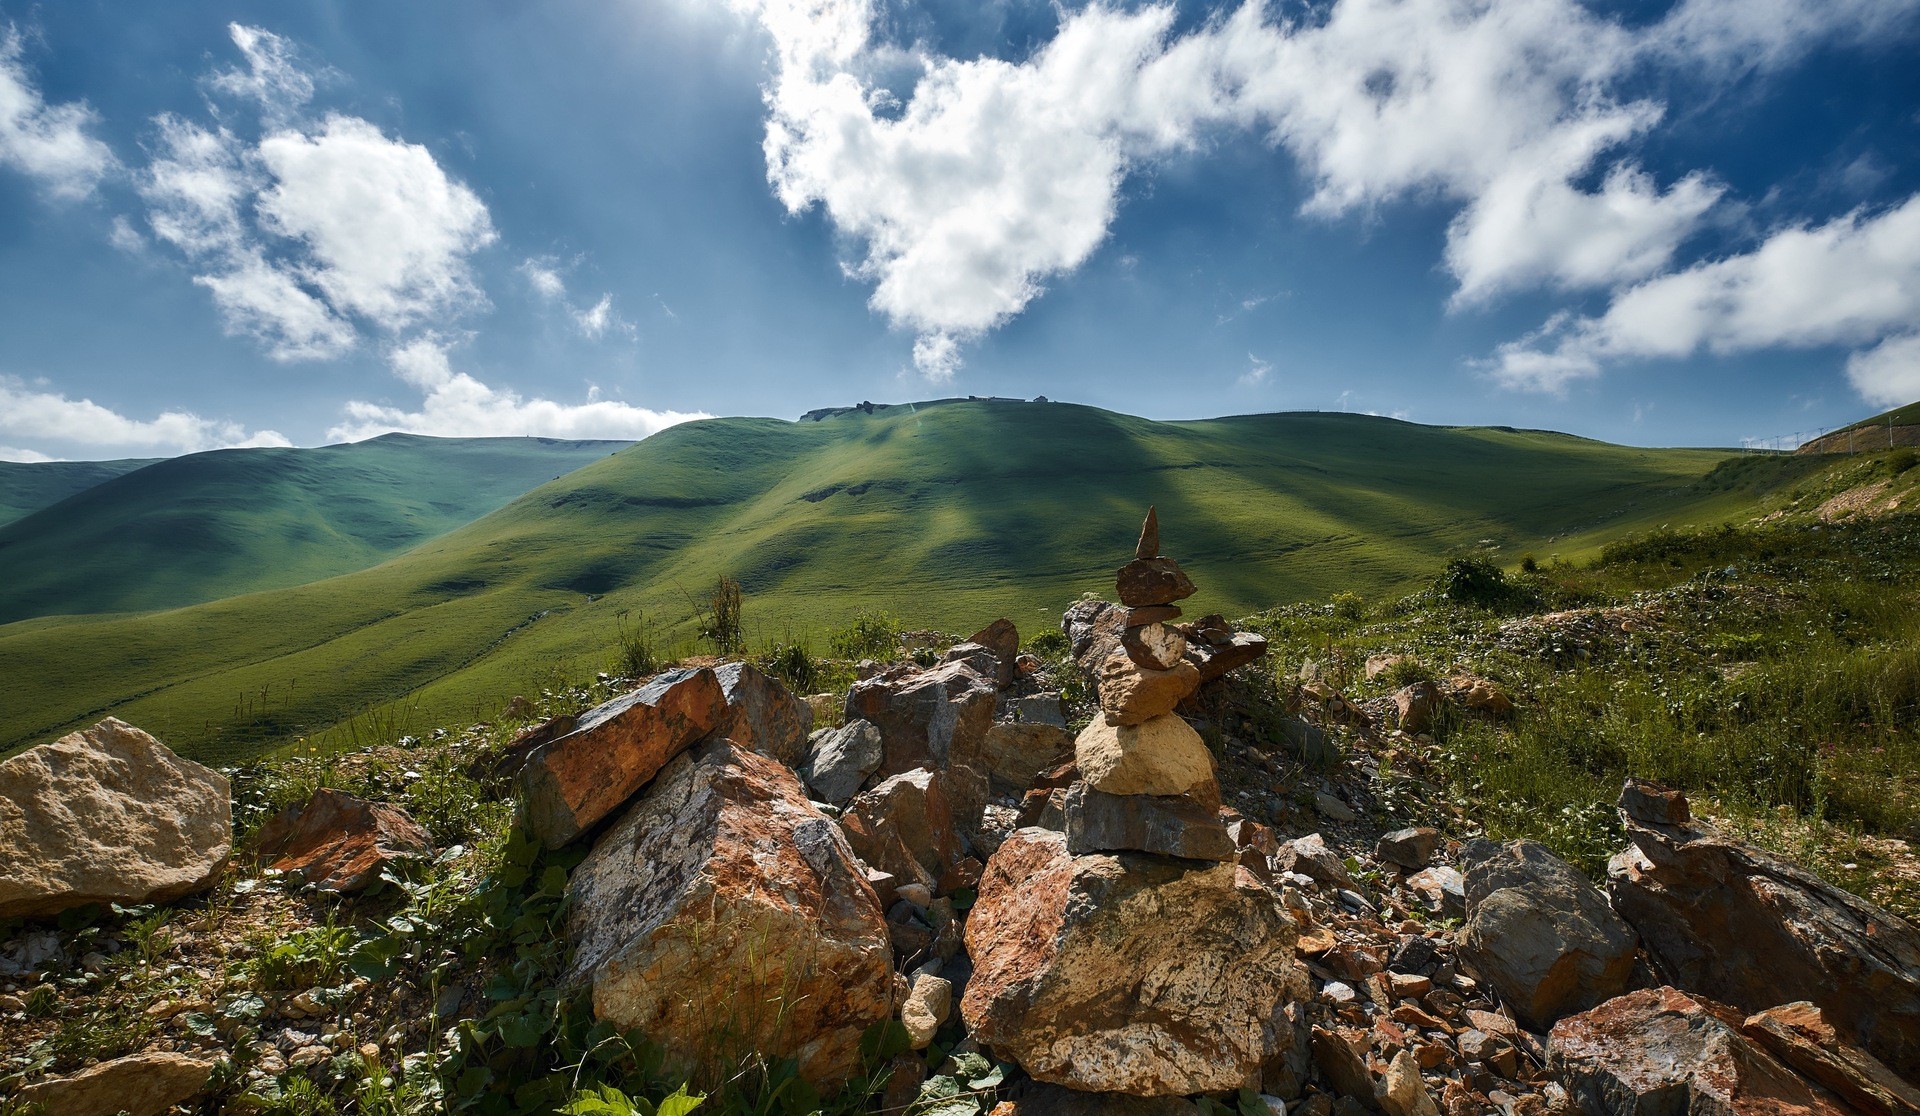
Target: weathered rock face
1093	630
762	714
108	815
1659	1051
138	1085
1015	753
1154	646
1409	848
1213	658
1726	920
1540	932
1162	756
337	842
572	783
840	759
1186	825
1128	973
927	718
1003	639
905	828
1131	694
1417	705
1800	1037
723	876
1309	856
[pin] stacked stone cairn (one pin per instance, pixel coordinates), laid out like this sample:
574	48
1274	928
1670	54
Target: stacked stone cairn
1131	954
1147	781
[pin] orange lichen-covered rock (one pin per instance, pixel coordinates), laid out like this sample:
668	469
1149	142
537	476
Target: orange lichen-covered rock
725	917
1129	973
341	843
572	783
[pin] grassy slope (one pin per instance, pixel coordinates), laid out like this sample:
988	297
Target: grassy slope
217	524
949	516
1908	415
28	486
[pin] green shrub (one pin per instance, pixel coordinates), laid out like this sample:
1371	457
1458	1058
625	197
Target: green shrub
1473	581
871	634
1900	460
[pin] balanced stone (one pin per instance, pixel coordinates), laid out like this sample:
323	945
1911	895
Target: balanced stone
1161	756
1182	825
1149	545
1154	646
1152	581
1131	694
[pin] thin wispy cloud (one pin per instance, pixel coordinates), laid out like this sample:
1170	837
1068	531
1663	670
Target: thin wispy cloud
53	144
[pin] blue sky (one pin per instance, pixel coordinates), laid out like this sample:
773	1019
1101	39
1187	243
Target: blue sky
243	223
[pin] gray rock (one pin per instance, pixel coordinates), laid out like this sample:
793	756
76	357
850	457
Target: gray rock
1035	709
1409	848
840	759
763	715
1186	825
1540	933
1724	919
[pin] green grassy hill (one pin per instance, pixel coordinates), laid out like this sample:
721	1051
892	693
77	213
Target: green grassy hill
212	525
28	486
944	515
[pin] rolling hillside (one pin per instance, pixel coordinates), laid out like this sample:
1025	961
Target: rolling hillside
945	515
211	525
28	486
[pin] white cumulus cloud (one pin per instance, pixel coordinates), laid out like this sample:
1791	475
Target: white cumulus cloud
313	230
1852	281
51	417
49	143
456	405
993	177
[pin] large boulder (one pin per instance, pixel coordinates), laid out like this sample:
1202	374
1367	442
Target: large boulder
148	1084
1130	973
108	815
905	827
762	714
1003	639
1799	1035
1094	630
573	782
1723	919
1540	933
724	916
1661	1052
1162	756
840	759
1015	753
933	718
341	843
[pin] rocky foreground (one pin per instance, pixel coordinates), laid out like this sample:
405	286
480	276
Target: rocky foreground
1129	919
